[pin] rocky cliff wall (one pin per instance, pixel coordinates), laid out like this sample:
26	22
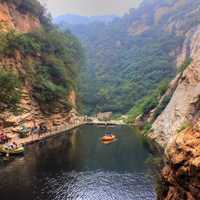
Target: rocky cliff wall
29	109
182	107
11	18
177	129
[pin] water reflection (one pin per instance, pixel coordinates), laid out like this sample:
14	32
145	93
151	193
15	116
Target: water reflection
77	166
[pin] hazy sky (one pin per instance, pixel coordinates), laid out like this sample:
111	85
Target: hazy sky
89	7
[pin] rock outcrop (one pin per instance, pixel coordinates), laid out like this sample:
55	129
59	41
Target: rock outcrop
184	102
11	18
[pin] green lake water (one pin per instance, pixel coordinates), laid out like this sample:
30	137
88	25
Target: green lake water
76	166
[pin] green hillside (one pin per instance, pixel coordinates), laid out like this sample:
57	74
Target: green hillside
50	60
122	67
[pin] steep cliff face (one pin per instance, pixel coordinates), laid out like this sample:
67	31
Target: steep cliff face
41	64
183	106
176	129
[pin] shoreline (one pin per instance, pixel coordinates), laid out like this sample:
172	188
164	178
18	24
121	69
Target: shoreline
34	138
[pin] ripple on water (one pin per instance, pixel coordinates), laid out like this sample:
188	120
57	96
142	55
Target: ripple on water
76	166
98	185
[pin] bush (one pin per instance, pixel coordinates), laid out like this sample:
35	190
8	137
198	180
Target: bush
150	102
50	61
9	90
22	42
46	92
162	106
147	127
185	64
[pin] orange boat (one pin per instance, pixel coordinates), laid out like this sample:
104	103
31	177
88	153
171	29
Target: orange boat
108	138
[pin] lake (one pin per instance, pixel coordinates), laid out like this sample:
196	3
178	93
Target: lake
77	166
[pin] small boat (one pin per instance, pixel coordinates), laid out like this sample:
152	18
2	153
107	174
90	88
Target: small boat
108	142
108	138
7	150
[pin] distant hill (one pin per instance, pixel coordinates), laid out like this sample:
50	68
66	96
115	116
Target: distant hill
77	19
129	57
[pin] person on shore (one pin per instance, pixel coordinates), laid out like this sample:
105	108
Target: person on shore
35	129
13	145
42	129
108	133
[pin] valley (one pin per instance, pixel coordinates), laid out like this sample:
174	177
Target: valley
59	75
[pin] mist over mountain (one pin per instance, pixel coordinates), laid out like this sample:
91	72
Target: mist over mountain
126	57
78	20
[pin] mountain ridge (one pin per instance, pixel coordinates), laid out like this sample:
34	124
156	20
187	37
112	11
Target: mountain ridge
73	19
121	49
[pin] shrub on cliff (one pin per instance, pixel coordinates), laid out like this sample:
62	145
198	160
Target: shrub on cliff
184	65
148	103
9	90
51	60
46	92
162	106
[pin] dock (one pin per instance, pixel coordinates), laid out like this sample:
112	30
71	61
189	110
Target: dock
33	138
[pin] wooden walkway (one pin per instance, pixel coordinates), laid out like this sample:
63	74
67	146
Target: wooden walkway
33	138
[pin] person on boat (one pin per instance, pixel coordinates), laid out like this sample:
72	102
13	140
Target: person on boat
15	145
108	133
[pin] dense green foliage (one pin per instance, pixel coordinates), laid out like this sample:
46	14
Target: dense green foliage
121	68
50	59
9	90
151	102
144	106
128	57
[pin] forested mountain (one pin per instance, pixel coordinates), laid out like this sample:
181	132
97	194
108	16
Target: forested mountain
77	19
38	66
128	57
